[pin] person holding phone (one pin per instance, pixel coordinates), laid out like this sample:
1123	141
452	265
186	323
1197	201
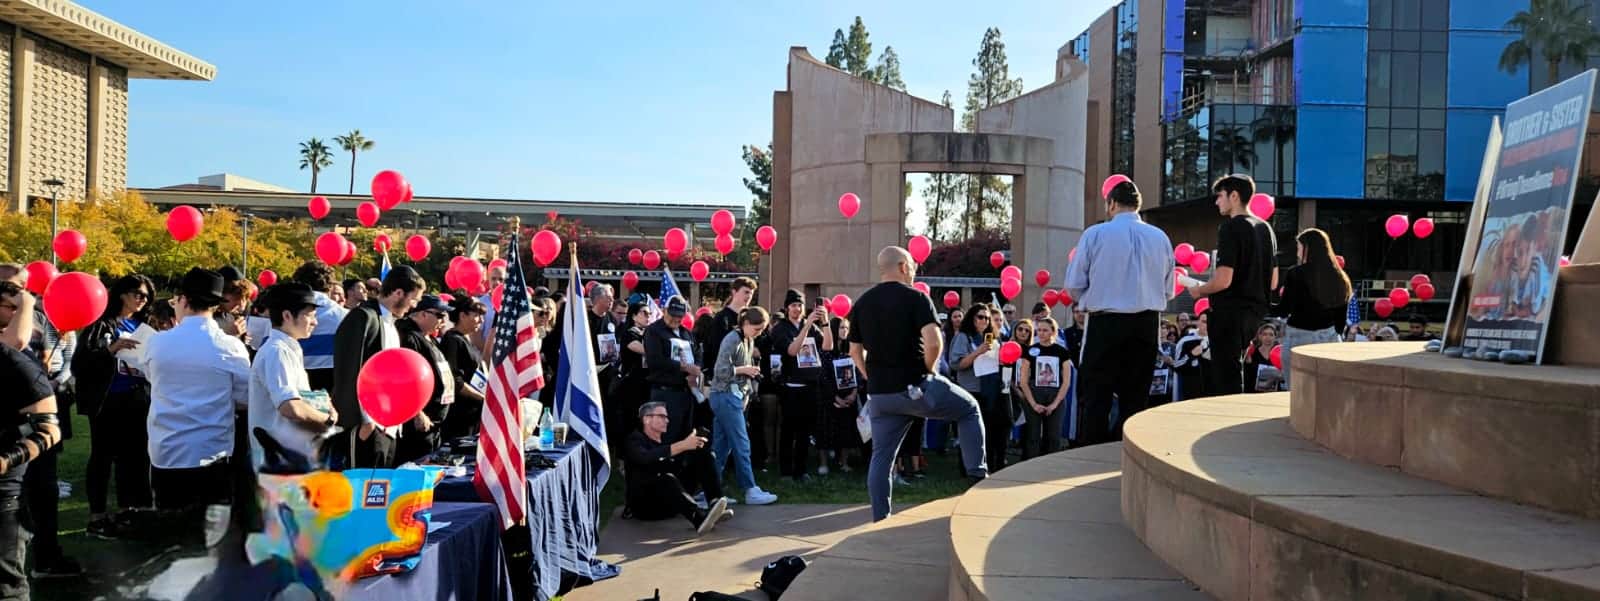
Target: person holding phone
801	338
660	472
973	357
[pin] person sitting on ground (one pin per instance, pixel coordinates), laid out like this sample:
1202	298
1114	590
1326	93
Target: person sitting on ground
657	470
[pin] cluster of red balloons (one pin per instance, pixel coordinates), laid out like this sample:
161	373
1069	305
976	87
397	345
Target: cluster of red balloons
1052	298
334	249
1197	261
1397	224
466	273
1010	281
1400	297
722	223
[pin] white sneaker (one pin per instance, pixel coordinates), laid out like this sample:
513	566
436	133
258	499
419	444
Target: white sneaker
822	470
713	515
756	496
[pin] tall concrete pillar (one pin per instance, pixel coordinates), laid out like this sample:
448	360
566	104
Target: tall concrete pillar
98	74
22	61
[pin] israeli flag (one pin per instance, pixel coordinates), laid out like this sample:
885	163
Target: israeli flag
383	270
577	397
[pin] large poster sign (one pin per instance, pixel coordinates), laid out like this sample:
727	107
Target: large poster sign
1525	222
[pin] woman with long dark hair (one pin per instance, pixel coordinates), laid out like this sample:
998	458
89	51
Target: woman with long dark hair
1316	294
116	398
974	348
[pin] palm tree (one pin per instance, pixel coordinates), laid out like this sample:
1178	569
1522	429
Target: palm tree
353	143
314	155
1230	147
1555	30
1275	125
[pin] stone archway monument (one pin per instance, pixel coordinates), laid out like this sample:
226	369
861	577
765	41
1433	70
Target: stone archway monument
834	133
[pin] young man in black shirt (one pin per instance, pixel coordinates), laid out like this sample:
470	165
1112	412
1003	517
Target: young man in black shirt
1245	274
896	337
669	356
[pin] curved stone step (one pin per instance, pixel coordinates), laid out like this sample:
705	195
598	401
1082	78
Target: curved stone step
1051	528
1225	492
1521	432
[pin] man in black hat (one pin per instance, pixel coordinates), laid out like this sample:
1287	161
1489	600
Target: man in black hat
799	338
363	332
199	376
278	380
670	357
420	436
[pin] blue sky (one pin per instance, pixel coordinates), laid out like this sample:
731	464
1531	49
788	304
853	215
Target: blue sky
630	101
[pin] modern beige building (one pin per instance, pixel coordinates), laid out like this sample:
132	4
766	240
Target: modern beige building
64	73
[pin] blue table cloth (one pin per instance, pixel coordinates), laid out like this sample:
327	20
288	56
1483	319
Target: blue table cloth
461	560
563	517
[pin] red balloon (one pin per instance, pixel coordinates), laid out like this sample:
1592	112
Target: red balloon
634	257
74	300
725	244
1340	259
447	297
1042	277
349	252
450	282
766	236
630	280
318	207
1011	272
69	245
1051	297
1425	291
394	385
407	197
470	275
1010	288
920	248
367	213
1396	225
1111	182
40	274
676	240
1565	261
652	260
497	296
1383	307
184	223
840	305
417	247
388	189
330	248
688	322
267	278
1400	297
849	205
1064	298
1262	205
552	215
923	288
1423	227
1420	279
1200	262
498	263
996	259
952	299
1010	352
588	287
1182	253
702	311
699	270
1276	356
382	243
1202	305
722	221
546	247
1177	286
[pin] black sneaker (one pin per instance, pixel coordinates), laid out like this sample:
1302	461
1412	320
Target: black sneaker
105	528
60	567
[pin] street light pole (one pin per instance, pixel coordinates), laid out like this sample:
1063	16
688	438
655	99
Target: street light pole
244	223
55	187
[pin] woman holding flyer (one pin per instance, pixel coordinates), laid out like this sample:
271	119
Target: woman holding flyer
1044	377
115	394
838	404
466	365
975	360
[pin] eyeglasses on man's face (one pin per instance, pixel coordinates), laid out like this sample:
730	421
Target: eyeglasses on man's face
660	415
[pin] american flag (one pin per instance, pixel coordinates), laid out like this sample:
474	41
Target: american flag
1353	315
669	287
514	373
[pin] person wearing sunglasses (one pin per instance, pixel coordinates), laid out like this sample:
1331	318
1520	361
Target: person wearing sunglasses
113	395
660	473
420	436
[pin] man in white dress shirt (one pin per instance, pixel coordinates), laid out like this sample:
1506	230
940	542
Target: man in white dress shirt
278	383
364	332
199	376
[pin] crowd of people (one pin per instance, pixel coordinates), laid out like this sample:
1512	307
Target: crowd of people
225	381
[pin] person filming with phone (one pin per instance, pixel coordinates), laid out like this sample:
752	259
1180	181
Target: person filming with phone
662	471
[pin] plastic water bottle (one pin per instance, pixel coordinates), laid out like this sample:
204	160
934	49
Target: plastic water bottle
547	431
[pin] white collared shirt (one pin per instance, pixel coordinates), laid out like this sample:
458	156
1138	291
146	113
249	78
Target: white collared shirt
278	376
390	339
198	376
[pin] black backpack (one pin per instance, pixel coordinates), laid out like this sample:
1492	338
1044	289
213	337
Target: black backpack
778	575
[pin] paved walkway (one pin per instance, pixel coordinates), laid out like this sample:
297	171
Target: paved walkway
666	555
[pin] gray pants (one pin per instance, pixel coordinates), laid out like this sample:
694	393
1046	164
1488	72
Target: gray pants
1293	337
893	414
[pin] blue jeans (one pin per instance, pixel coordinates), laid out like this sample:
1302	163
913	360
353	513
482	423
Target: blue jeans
728	434
1293	337
892	415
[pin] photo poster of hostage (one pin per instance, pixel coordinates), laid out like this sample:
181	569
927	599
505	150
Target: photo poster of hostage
1525	221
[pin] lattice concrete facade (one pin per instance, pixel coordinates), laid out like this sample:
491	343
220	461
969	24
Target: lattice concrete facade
64	74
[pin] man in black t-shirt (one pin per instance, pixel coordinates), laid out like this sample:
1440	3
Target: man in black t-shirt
896	338
669	360
799	339
1246	273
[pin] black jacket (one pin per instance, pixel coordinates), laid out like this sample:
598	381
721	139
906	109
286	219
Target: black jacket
411	337
359	337
94	366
